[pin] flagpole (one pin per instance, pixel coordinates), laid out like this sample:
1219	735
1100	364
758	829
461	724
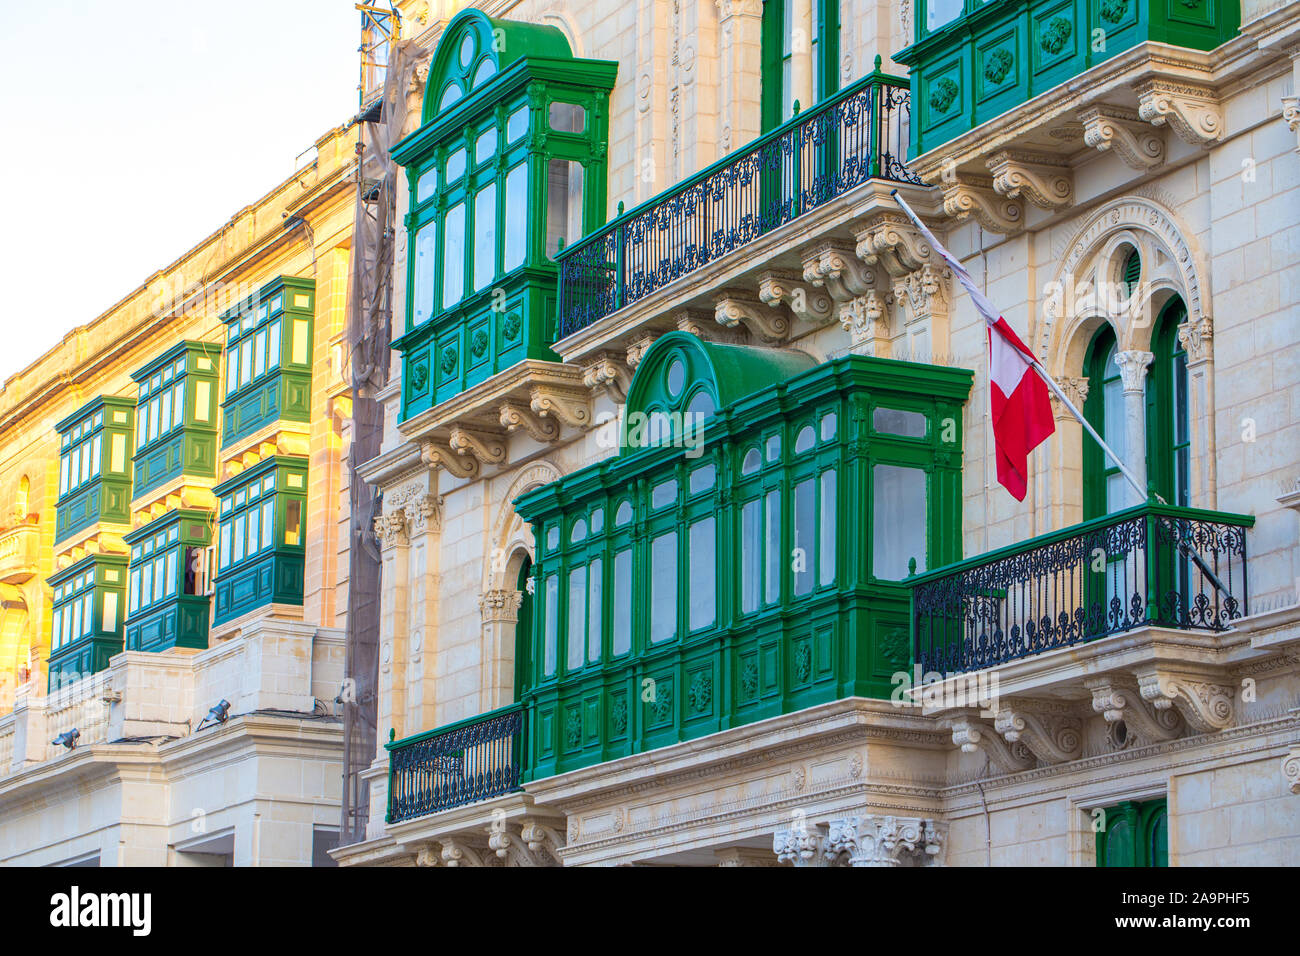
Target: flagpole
1037	366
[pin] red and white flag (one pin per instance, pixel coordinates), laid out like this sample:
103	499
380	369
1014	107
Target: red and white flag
1022	414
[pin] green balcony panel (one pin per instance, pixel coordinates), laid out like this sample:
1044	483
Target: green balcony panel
86	625
745	554
176	416
167	600
972	60
268	358
94	467
508	166
261	528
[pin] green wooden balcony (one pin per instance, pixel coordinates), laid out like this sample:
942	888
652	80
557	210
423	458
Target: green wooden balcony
86	624
166	601
94	469
268	358
973	60
176	416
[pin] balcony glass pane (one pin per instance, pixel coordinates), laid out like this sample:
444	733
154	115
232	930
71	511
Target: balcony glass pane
938	13
663	588
517	124
595	584
898	521
622	602
453	256
577	616
801	562
485	235
826	558
750	550
563	204
516	215
703	581
552	611
772	583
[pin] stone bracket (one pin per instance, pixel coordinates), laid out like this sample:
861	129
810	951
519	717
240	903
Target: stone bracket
1050	731
890	240
1206	704
437	455
1118	700
488	448
515	416
1040	179
838	269
541	838
970	197
568	406
735	308
609	372
972	734
807	303
638	347
1291	769
1192	112
1121	130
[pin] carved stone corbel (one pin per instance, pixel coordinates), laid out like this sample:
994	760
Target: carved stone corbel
701	324
882	841
1121	130
568	406
1206	705
489	449
807	304
864	318
800	846
427	855
1043	180
609	372
1197	340
1291	116
640	345
923	293
455	852
1291	769
390	530
890	240
541	838
1051	733
1118	700
515	416
734	308
968	197
838	269
511	848
1191	111
1076	390
436	455
500	606
971	734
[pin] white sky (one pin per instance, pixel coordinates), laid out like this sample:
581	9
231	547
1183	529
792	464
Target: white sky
134	130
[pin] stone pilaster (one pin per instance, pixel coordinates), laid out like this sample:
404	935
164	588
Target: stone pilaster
1197	340
740	28
1133	365
500	614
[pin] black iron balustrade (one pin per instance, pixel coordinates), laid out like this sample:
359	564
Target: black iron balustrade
454	765
859	134
1153	564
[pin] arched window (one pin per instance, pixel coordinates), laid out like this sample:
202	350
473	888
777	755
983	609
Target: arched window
1105	489
1168	434
508	166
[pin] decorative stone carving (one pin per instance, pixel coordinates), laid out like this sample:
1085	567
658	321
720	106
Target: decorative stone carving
1291	116
1133	369
640	345
542	839
864	318
1291	769
1191	111
807	303
734	308
837	269
923	293
610	373
1050	731
882	841
438	456
800	846
426	856
1206	705
500	606
890	240
1120	130
424	513
1117	700
489	449
390	530
743	856
973	197
456	852
1197	339
1043	180
568	406
1076	390
515	416
971	734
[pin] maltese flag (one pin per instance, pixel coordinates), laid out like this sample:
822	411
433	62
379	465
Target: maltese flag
1022	414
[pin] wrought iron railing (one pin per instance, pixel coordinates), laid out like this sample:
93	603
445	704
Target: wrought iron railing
1153	564
859	134
454	765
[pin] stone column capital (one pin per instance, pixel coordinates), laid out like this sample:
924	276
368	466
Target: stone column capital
1133	365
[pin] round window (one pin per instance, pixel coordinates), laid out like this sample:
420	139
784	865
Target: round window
466	50
676	378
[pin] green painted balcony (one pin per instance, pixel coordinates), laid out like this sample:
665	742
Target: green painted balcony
176	416
268	358
508	164
261	527
167	603
94	470
86	624
973	60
